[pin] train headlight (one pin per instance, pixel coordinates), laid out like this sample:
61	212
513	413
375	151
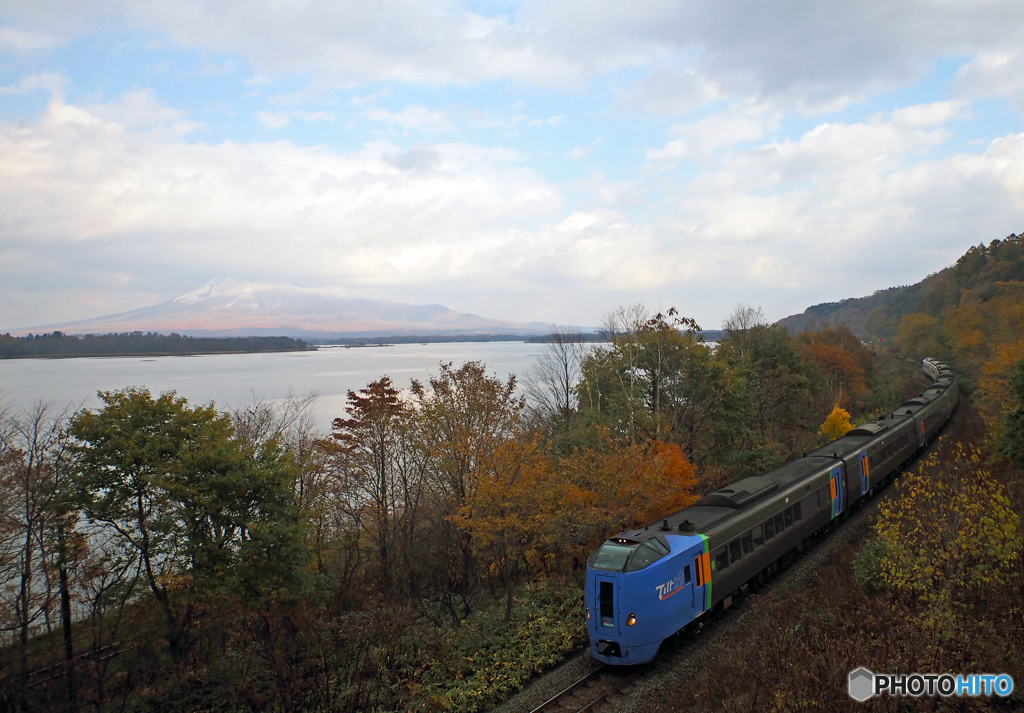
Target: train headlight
588	613
631	620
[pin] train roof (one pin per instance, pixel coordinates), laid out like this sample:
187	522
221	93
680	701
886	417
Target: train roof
719	507
724	503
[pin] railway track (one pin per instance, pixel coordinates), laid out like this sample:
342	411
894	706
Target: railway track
589	691
600	688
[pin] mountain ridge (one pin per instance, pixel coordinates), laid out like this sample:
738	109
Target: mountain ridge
227	306
980	274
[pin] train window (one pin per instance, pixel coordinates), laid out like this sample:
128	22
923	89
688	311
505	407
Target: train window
796	512
698	573
817	499
643	556
686	574
748	543
607	599
722	560
779	527
789	517
611	557
657	544
758	536
734	550
769	530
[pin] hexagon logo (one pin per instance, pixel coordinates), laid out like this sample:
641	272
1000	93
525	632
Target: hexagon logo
862	684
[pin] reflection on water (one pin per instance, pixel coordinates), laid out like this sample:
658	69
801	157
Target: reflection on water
232	379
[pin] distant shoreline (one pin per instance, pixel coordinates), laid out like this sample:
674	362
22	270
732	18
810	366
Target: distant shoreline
57	345
114	355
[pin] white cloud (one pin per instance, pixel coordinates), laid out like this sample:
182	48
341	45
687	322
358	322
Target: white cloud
836	212
315	116
212	68
697	52
699	140
147	203
139	109
412	117
256	80
487	120
550	121
273	119
933	114
14	39
578	152
997	72
43	81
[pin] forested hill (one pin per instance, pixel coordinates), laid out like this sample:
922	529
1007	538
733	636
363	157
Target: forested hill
57	344
983	272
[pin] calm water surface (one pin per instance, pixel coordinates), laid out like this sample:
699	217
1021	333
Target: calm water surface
232	379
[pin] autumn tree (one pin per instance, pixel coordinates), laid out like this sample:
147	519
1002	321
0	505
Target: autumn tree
511	514
38	538
950	539
843	363
199	509
380	469
463	416
740	325
1011	443
919	336
620	485
836	425
779	389
656	379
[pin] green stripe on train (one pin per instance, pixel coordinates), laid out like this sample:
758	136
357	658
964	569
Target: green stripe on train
707	585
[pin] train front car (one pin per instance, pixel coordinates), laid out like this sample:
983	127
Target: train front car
643	586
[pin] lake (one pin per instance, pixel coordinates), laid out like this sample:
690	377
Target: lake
231	380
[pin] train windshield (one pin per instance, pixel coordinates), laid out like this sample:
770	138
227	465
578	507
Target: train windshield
611	557
644	555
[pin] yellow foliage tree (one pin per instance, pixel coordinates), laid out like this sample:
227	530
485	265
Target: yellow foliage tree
837	424
950	538
994	385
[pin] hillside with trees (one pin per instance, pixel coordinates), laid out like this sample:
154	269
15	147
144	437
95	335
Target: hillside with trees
428	552
983	272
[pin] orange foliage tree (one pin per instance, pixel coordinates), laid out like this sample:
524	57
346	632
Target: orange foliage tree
622	485
994	384
511	514
844	377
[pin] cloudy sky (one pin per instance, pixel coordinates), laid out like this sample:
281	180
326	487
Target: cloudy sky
544	160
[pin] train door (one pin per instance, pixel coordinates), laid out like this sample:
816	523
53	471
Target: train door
920	431
865	472
701	591
606	596
836	487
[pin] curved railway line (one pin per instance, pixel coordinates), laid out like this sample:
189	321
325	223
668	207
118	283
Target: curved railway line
605	686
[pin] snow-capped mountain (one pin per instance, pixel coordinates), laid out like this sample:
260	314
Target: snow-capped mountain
226	306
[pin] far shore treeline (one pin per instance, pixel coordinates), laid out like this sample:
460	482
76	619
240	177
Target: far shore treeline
710	335
58	344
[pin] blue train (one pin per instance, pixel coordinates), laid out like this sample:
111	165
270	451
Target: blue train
645	585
